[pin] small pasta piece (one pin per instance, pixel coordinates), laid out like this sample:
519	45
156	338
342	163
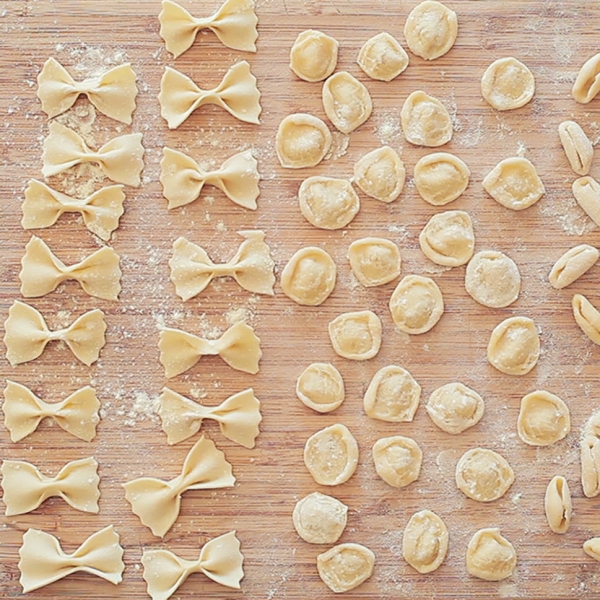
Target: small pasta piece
380	174
441	177
397	460
309	276
320	387
346	101
543	419
507	84
587	83
431	29
319	518
416	304
382	57
587	193
345	566
483	475
572	265
558	505
514	346
577	146
592	548
490	556
448	238
425	120
356	335
374	261
314	55
587	317
425	541
302	140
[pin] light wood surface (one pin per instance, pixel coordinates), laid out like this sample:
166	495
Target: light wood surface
553	38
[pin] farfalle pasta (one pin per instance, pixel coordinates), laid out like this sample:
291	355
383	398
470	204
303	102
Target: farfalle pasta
157	502
120	159
43	561
25	488
42	272
220	560
252	266
234	24
100	211
238	417
112	93
27	335
237	94
183	179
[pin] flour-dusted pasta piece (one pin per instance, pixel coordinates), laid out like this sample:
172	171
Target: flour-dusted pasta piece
514	346
507	84
374	261
590	456
345	566
483	475
346	101
587	317
331	455
587	83
514	183
425	120
321	387
238	417
454	407
490	556
425	541
356	335
183	178
320	519
441	177
234	24
587	193
382	57
492	278
380	174
558	505
251	266
397	460
42	272
157	502
543	419
328	202
120	159
26	335
112	93
302	140
237	93
416	304
448	239
25	488
309	276
314	55
431	29
392	395
577	146
572	265
592	548
43	561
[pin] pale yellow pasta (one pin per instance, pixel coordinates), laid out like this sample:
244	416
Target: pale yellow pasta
490	556
587	83
380	174
319	518
572	265
425	120
425	541
507	84
374	261
592	548
483	475
448	239
543	419
441	177
346	101
454	407
302	140
431	29
345	566
577	146
493	279
320	387
514	346
587	317
557	504
309	276
590	456
356	335
314	55
392	395
382	57
416	304
587	193
397	460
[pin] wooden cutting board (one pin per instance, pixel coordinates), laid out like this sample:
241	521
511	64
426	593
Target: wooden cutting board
554	39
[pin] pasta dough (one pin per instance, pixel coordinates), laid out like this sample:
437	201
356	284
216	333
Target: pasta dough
328	202
592	548
577	146
493	279
182	178
251	266
454	407
425	541
331	455
238	417
416	304
490	556
234	24
42	272
239	347
302	140
112	93
587	193
374	261
320	519
397	460
345	566
587	83
321	387
314	55
382	57
431	29
557	504
590	456
26	335
441	177
237	94
587	317
346	101
157	502
572	265
514	183
483	475
380	174
448	238
543	419
425	120
507	84
309	276
393	395
514	346
356	335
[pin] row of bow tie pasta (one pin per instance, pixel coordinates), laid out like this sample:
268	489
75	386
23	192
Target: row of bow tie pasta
156	502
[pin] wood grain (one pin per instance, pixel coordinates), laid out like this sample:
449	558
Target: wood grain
553	38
